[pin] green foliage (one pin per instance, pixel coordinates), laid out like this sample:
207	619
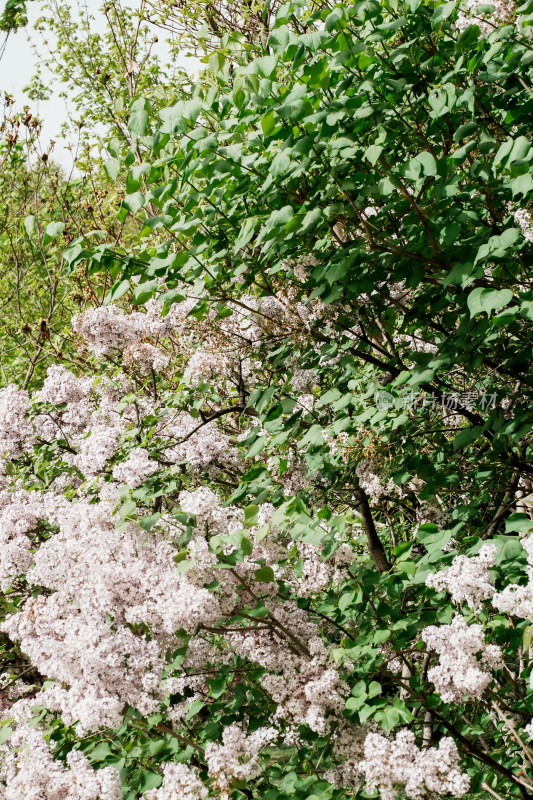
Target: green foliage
41	211
367	166
13	16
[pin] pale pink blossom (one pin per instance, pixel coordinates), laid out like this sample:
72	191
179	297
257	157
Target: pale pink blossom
180	782
237	758
15	429
146	356
28	770
524	219
136	469
468	579
465	659
393	766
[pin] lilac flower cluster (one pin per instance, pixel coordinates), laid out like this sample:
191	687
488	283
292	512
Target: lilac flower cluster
109	596
389	766
28	769
180	782
465	659
468	579
237	757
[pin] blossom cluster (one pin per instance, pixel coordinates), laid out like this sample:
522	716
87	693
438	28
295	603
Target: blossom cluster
391	765
107	586
473	12
465	659
109	598
237	757
29	770
468	579
180	782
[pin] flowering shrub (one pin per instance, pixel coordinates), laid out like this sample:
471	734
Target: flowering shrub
228	568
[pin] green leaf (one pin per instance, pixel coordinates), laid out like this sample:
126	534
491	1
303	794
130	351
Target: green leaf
519	523
217	687
261	399
112	168
311	220
147	523
170	297
373	152
144	291
254	473
279	165
250	515
522	185
465	130
487	300
527	638
422	164
429	165
335	19
118	290
392	715
442	12
174	120
216	62
194	708
388	718
153	223
355	703
279	39
257	447
314	40
509	548
5	732
29	224
281	217
149	780
245	234
100	752
497	246
513	150
133	202
462	152
156	747
268	123
432	538
295	112
264	575
54	229
466	437
346	600
266	65
127	509
139	116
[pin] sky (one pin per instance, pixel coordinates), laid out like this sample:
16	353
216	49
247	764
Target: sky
17	67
